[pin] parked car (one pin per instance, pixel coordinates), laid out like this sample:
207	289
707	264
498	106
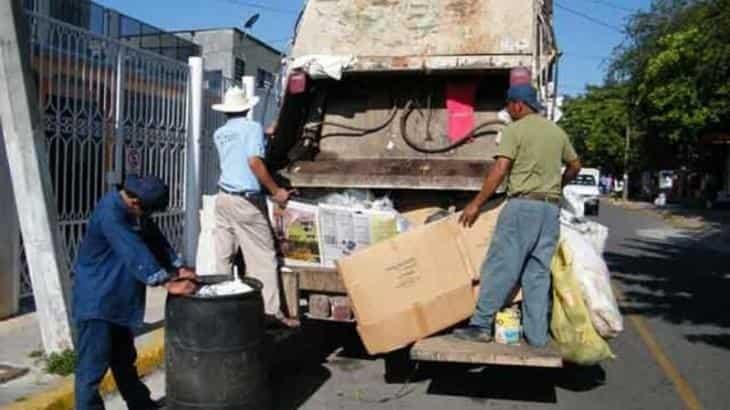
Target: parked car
586	190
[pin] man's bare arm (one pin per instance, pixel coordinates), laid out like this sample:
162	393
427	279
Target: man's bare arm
262	174
493	180
571	171
278	194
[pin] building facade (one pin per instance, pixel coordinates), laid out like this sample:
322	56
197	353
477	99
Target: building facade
235	54
112	24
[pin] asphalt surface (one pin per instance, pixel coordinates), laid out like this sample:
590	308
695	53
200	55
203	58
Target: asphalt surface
673	354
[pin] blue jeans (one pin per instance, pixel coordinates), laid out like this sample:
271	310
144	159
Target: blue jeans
101	345
520	254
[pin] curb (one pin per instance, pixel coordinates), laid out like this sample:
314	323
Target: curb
61	396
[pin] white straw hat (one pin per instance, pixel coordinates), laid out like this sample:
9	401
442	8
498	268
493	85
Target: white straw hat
236	100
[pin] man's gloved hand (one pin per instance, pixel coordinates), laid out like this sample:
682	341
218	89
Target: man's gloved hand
183	287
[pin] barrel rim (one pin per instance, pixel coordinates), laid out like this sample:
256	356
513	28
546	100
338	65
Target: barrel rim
213	279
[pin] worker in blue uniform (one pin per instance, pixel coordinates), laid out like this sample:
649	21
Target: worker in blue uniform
122	253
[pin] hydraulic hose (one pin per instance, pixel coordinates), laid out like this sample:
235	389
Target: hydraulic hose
474	133
357	131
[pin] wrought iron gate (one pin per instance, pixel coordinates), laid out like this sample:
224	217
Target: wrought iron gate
108	109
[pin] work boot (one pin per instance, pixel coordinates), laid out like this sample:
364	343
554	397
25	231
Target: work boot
473	334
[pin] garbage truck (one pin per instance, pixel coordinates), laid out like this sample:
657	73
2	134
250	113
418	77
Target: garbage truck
403	97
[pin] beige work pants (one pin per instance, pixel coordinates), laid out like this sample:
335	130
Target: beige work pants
241	224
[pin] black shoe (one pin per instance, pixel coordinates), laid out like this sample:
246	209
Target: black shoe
473	334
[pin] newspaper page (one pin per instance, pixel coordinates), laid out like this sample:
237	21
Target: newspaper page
296	228
345	231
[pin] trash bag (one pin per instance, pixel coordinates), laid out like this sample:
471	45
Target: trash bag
591	271
570	325
596	233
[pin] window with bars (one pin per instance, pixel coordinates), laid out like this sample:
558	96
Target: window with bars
264	79
239	69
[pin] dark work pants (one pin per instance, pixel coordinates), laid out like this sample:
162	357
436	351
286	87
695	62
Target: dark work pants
102	345
521	252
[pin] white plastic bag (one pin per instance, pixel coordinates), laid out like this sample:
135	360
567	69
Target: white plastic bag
595	281
593	232
205	258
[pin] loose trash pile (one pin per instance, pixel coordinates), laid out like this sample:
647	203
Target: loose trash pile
232	287
318	230
227	288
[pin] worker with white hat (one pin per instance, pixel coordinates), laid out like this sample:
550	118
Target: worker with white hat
240	221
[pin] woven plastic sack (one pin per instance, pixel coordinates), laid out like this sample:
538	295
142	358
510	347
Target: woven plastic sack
591	272
574	335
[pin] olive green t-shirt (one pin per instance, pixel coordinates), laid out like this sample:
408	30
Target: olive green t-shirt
538	148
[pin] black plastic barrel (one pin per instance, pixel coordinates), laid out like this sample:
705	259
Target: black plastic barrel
214	351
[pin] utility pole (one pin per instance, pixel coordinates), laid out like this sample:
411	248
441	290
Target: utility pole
626	162
26	149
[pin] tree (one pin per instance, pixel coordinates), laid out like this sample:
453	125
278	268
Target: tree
596	123
676	64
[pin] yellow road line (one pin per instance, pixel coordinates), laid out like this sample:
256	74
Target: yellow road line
684	390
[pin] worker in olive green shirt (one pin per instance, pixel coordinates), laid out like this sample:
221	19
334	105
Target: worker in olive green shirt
530	156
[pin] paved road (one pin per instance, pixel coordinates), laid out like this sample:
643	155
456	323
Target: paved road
674	353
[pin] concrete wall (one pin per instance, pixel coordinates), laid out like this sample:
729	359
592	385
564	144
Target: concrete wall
256	55
217	49
221	47
10	240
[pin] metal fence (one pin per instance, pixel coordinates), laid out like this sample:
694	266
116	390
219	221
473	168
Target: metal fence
214	86
108	109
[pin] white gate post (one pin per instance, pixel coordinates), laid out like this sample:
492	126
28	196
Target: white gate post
10	238
31	179
249	86
192	184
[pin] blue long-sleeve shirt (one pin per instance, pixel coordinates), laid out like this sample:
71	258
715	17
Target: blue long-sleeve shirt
119	256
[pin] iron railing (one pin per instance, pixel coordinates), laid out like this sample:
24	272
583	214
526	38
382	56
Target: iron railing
108	109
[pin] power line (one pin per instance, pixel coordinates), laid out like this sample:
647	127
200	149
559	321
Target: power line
260	6
613	6
586	56
589	18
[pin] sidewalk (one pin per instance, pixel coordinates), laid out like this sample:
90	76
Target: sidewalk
20	338
682	217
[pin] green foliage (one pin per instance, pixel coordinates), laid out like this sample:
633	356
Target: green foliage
675	64
596	123
62	363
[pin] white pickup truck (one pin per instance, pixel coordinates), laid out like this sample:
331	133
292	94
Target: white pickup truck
584	193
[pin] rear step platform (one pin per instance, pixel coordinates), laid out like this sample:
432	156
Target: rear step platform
447	348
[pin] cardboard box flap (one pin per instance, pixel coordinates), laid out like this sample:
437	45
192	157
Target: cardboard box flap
421	320
408	267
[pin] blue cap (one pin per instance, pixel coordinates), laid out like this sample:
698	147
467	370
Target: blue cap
152	192
525	93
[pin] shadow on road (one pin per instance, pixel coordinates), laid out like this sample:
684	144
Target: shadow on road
679	281
492	382
524	384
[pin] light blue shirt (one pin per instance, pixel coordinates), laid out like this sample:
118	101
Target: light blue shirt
237	141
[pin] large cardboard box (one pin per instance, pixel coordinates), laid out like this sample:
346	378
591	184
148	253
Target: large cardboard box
418	283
